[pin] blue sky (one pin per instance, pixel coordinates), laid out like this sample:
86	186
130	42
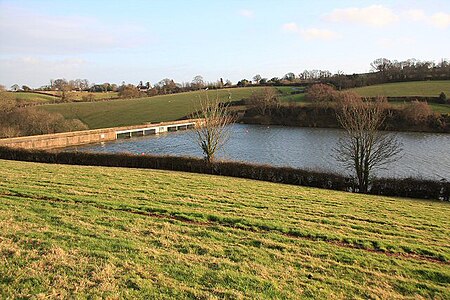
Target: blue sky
115	41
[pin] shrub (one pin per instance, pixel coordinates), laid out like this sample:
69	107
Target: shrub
129	91
32	121
263	99
320	93
417	112
410	187
88	98
442	98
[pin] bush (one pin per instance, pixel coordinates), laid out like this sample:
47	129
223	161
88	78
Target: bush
263	99
417	112
320	93
88	98
32	121
410	187
442	98
129	91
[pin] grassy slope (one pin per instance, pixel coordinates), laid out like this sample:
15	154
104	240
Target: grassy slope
415	88
171	107
79	95
112	232
138	111
421	88
33	97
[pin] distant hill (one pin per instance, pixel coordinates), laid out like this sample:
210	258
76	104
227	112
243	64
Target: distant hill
412	88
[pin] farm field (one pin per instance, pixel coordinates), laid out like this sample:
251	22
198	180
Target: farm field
26	97
52	96
172	107
141	110
78	231
78	96
414	88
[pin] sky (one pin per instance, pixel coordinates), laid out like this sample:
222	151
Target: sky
116	41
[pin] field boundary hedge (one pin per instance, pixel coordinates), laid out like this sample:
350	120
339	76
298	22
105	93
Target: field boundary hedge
436	100
409	187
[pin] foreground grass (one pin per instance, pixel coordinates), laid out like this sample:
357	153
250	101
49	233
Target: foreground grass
138	111
69	231
414	88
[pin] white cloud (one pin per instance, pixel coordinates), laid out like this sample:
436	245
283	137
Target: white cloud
246	13
415	15
24	31
310	33
440	20
374	15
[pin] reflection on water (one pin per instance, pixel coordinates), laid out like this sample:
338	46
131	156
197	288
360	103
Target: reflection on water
425	155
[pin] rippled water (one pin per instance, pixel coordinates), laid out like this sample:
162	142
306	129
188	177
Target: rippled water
425	155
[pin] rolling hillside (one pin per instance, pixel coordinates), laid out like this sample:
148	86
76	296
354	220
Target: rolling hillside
138	111
93	232
414	88
174	106
28	97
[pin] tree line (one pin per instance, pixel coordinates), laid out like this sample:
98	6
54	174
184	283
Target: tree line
382	71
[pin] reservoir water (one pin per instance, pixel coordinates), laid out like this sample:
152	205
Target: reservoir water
425	155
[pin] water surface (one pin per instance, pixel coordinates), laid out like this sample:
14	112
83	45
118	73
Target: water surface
425	155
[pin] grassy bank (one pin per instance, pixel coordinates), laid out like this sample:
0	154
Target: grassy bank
137	111
414	88
78	96
28	97
113	232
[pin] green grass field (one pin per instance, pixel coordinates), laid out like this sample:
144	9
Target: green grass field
415	88
138	111
78	96
30	97
94	232
172	107
33	97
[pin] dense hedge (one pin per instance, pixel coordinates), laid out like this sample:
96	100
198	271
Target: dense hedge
394	187
419	98
411	187
325	117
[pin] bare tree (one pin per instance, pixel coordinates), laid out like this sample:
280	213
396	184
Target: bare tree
213	131
264	99
364	147
198	82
